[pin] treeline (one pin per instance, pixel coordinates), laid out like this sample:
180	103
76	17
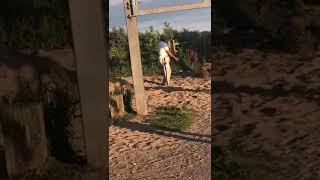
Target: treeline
194	49
290	25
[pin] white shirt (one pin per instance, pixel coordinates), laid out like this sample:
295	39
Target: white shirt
162	48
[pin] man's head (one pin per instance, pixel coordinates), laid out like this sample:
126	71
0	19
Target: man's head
163	38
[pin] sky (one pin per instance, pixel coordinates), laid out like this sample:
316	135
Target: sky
196	19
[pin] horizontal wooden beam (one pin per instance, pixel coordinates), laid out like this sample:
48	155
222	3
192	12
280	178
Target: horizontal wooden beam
204	4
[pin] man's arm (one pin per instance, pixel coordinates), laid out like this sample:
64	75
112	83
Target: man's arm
171	55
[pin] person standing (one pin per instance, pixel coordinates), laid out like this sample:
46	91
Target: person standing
164	59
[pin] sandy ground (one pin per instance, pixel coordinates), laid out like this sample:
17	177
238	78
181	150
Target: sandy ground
138	151
273	100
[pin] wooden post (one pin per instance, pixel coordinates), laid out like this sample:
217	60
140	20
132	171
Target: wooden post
88	32
174	45
130	8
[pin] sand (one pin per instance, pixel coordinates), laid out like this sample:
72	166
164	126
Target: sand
273	99
137	151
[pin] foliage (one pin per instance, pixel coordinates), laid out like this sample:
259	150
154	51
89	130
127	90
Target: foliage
168	31
57	170
173	118
119	51
186	64
234	161
229	165
54	169
199	41
149	54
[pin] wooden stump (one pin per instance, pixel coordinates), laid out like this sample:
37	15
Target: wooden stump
116	105
22	131
117	89
206	70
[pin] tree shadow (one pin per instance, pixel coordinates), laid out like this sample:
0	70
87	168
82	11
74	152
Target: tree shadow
136	126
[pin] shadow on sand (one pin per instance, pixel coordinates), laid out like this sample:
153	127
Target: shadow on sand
169	89
274	92
136	126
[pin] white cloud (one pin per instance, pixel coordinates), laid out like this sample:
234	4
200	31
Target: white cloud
115	2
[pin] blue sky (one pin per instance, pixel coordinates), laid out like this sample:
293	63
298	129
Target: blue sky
197	19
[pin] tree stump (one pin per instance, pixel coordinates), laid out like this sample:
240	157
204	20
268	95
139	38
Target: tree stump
206	70
116	105
117	90
23	138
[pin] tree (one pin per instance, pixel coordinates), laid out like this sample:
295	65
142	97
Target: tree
149	41
168	31
118	44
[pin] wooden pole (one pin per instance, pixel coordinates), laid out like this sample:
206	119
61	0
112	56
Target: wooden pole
135	56
88	32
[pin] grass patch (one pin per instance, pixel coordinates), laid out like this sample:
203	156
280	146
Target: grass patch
234	162
54	169
230	165
126	116
173	118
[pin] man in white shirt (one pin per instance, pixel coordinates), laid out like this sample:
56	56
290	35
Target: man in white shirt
164	59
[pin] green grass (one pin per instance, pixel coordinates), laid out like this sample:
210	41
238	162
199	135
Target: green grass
236	165
234	162
172	118
54	169
57	170
126	116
